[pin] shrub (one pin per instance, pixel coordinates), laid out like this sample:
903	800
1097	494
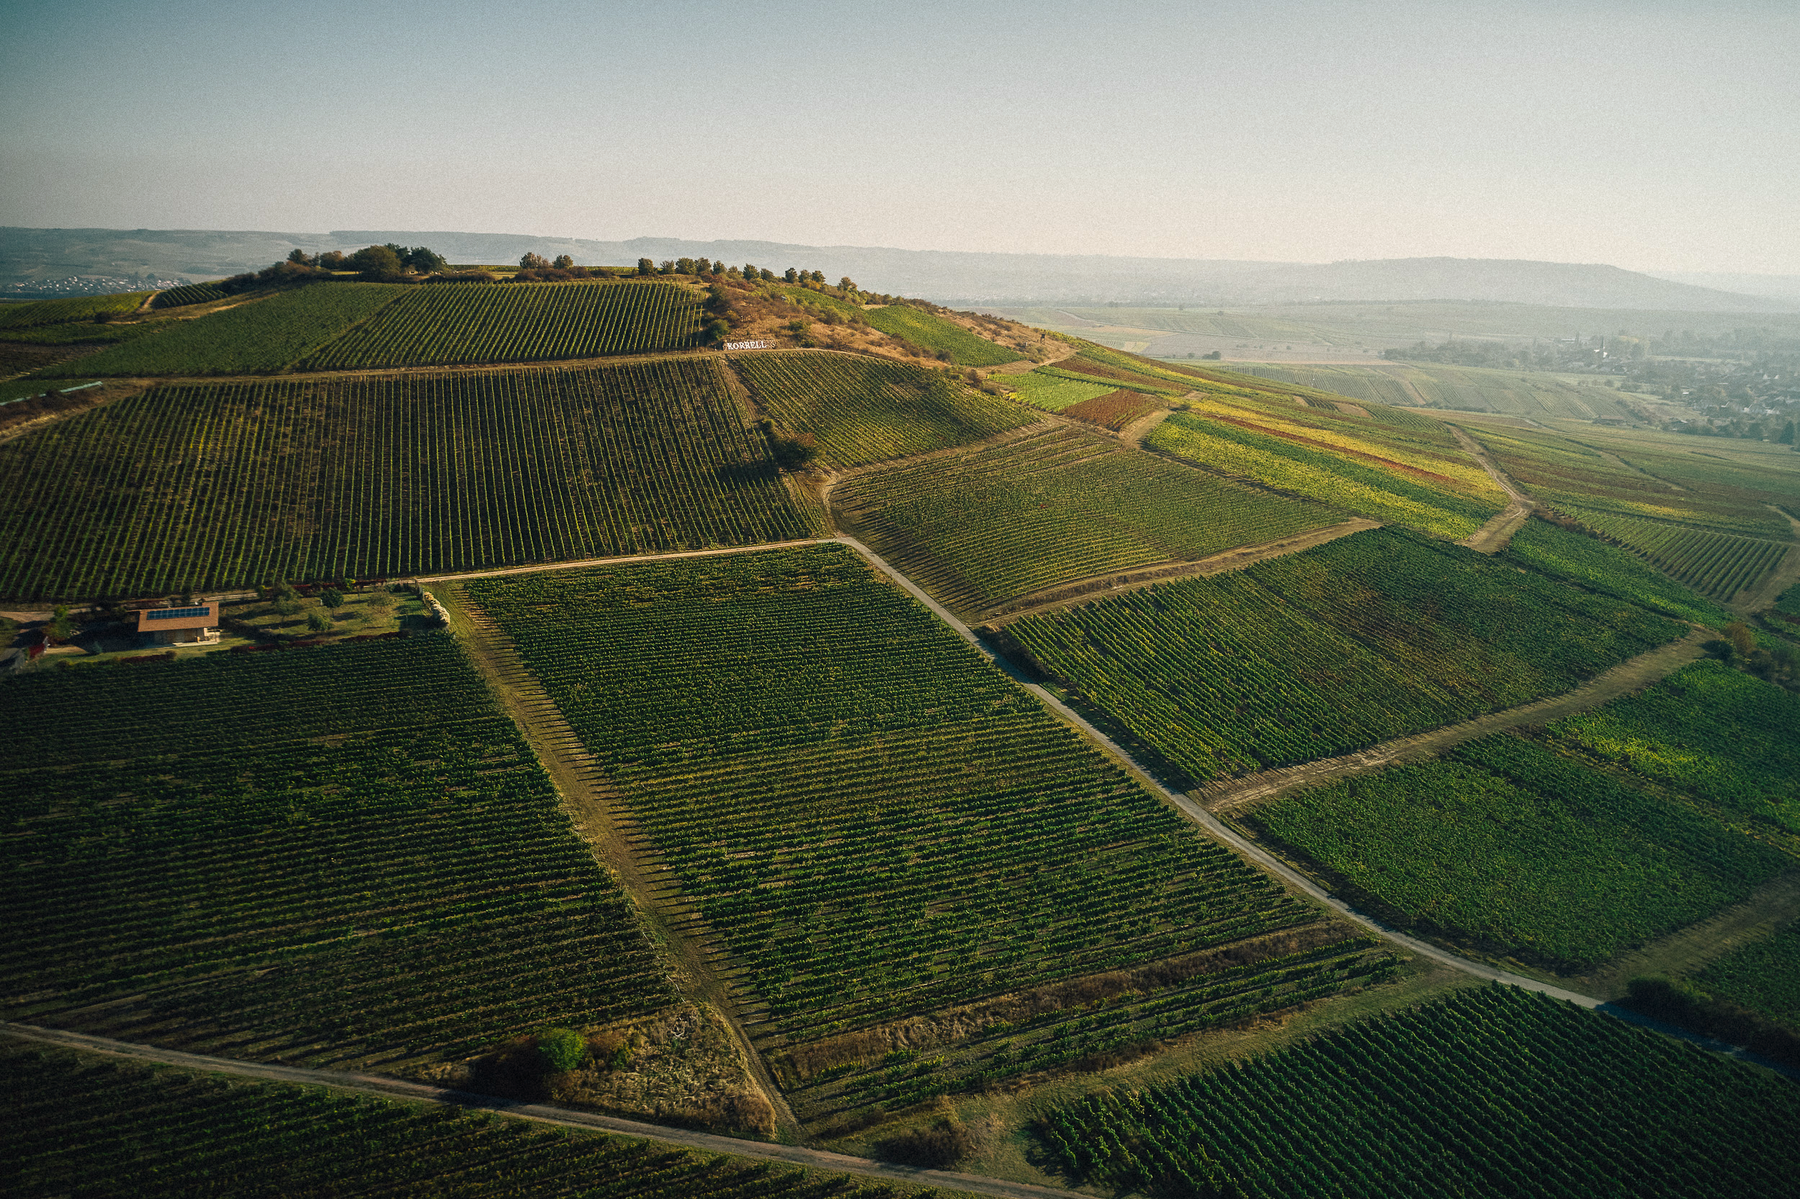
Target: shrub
561	1049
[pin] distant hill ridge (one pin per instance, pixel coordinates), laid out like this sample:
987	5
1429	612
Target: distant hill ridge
950	277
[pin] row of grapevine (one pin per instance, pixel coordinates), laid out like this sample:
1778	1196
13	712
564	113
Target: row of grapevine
872	819
188	293
860	410
1369	637
933	332
85	1126
1489	1092
1593	564
229	484
1114	410
68	308
517	322
1507	844
1010	518
374	885
258	336
1762	976
1715	564
1342	481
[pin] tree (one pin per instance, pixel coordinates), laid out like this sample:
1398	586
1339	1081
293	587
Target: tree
288	607
646	267
300	257
750	272
377	262
423	260
9	629
846	284
684	266
331	597
817	276
766	274
666	267
534	262
1742	640
703	266
792	275
332	260
1787	434
563	262
561	1049
317	621
62	625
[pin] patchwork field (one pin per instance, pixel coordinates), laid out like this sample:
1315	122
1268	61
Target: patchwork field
1011	518
934	333
333	855
1536	394
1489	1092
859	410
203	486
1596	566
877	824
1318	653
80	1125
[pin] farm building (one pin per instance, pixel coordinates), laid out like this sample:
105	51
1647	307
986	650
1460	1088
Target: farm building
196	624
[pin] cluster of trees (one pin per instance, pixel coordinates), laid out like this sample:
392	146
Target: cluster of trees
388	263
537	268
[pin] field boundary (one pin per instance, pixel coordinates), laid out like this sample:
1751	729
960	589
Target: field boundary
1493	537
541	1113
1230	796
1063	595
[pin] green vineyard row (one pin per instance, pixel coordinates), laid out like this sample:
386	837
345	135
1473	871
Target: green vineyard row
205	486
1715	564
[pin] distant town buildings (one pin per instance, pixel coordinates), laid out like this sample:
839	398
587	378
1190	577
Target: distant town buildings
85	285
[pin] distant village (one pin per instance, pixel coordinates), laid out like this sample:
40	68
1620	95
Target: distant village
85	285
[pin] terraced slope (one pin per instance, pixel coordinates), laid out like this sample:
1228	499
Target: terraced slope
368	881
207	486
1370	637
859	410
1014	517
877	823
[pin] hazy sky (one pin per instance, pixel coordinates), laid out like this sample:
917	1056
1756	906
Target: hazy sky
1655	136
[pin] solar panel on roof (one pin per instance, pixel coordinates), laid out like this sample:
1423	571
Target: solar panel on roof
175	613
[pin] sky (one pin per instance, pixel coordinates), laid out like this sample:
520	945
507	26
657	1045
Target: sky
1656	136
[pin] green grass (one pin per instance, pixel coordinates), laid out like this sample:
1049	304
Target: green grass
872	819
1763	976
1593	564
1711	732
860	410
83	1125
1370	637
516	322
1053	393
72	308
932	332
337	854
256	337
1488	1092
1516	849
300	478
1002	521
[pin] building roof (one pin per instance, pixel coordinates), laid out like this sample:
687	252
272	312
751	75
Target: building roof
165	620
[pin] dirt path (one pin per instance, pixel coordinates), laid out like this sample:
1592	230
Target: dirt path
1785	575
1612	459
1133	434
1492	537
624	560
540	1113
1686	950
1064	595
700	959
1236	795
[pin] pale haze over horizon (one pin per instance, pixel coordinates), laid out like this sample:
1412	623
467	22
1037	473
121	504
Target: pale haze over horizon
1651	136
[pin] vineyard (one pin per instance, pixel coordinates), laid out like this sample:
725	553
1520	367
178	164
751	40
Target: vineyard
875	822
1366	638
1494	1091
256	337
859	410
1082	370
932	332
518	322
1058	504
1114	410
1507	845
374	894
87	1126
1537	394
1718	565
188	293
1713	733
218	485
61	311
1597	566
1763	977
1349	485
1051	393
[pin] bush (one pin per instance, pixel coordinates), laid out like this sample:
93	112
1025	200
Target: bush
936	1148
318	622
561	1049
